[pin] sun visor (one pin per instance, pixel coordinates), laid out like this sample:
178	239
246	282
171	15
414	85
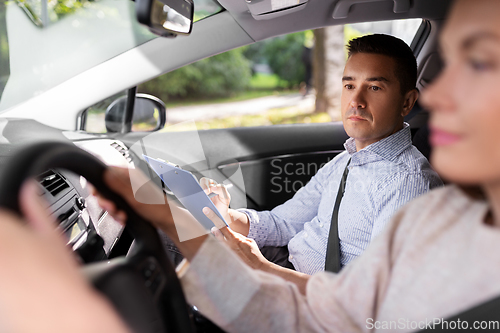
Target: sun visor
269	9
343	7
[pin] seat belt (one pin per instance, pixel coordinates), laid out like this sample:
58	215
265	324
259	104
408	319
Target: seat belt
487	312
332	261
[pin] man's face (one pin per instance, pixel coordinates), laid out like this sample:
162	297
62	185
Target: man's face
372	104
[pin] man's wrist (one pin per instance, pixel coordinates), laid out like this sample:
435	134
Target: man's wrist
239	221
237	216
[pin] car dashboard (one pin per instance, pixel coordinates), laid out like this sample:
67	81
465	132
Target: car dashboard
91	232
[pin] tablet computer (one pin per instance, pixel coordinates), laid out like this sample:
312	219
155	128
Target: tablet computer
186	188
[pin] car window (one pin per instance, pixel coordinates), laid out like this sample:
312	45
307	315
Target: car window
205	8
52	41
266	83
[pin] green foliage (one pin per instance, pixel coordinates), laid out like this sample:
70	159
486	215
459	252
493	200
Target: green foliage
283	54
4	49
271	117
57	9
229	73
62	8
217	76
236	97
261	81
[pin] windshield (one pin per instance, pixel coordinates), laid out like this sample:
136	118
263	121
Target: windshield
46	42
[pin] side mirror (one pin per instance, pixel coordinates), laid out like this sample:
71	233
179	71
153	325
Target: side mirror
166	18
150	114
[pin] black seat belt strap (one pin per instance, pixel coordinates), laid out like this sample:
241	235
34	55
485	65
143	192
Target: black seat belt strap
332	261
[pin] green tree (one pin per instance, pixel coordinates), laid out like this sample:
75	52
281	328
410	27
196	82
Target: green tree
56	9
283	54
217	76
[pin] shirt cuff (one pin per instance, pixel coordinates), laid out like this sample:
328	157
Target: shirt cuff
218	283
257	230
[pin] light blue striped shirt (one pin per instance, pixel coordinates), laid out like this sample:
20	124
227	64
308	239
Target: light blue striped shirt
382	177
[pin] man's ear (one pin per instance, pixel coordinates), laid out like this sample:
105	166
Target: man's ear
409	101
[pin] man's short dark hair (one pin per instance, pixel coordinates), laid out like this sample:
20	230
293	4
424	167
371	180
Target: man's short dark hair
406	64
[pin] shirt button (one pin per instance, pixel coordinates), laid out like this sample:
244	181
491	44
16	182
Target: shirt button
305	234
321	225
290	257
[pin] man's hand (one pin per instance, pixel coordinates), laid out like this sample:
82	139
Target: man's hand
238	221
221	200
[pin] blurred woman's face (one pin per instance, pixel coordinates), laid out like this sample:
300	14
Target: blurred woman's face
465	99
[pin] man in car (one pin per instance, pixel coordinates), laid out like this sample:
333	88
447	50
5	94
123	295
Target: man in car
385	170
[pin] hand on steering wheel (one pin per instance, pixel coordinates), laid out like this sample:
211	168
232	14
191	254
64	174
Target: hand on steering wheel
143	287
41	277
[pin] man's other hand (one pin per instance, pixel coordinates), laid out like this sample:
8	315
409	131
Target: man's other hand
221	200
237	220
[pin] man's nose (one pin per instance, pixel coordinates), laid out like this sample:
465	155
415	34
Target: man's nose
358	100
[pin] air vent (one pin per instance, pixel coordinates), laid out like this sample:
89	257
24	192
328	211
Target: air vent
122	150
53	182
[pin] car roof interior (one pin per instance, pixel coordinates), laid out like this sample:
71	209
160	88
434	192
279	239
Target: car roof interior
319	13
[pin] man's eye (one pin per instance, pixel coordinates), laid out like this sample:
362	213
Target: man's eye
375	88
349	86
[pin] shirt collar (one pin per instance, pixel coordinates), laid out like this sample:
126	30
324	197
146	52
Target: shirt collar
388	148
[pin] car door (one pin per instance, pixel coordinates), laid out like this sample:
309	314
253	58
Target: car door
266	164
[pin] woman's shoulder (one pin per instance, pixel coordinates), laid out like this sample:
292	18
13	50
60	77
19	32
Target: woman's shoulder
443	205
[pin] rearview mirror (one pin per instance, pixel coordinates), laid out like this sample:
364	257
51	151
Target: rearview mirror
166	18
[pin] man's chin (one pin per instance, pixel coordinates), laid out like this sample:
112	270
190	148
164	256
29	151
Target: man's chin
357	130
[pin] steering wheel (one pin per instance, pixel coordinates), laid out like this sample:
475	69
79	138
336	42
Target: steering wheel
143	286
